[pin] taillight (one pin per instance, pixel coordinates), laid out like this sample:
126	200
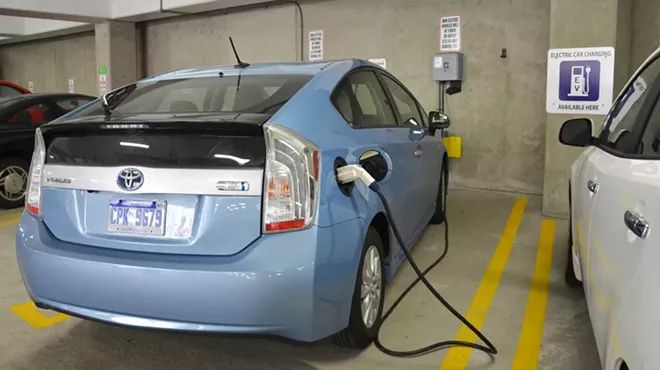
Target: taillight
33	195
291	182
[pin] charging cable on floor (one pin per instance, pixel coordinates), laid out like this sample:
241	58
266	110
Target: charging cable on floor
351	173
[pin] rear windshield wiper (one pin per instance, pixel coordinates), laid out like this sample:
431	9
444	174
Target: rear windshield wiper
111	100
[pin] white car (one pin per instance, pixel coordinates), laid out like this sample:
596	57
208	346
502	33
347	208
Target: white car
615	222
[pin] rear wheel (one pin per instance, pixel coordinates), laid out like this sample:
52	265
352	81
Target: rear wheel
569	274
13	182
368	296
441	200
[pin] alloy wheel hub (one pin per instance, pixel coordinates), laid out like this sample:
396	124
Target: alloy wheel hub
13	181
371	286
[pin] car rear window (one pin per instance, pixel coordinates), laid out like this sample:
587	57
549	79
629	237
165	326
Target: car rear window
156	149
236	94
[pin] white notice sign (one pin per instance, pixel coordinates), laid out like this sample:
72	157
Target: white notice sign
72	87
103	84
450	33
580	80
315	45
381	62
31	86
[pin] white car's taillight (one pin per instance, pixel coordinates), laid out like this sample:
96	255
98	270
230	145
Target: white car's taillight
291	188
33	195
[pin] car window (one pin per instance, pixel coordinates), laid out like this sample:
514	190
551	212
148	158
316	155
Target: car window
184	100
618	133
69	104
405	103
370	108
342	101
38	114
650	143
8	91
247	94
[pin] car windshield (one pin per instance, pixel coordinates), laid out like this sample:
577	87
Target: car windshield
5	102
244	94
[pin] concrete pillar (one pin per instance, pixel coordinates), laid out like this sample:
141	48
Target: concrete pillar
583	23
116	56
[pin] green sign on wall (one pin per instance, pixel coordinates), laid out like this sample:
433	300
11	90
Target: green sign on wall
103	70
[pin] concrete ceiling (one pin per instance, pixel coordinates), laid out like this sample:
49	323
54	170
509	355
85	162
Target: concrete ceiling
30	19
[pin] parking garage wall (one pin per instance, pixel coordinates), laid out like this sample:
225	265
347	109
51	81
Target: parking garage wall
50	63
645	30
500	114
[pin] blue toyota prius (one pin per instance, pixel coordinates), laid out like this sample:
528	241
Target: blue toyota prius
206	199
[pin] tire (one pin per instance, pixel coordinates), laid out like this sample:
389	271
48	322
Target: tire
359	334
13	182
569	274
439	215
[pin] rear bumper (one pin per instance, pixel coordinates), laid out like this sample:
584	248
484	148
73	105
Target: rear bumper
297	285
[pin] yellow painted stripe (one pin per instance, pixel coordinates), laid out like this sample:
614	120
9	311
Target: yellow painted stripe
29	313
458	357
12	222
11	215
529	344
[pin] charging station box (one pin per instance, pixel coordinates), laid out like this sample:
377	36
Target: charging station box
448	67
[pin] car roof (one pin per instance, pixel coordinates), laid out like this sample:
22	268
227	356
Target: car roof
12	101
297	68
34	96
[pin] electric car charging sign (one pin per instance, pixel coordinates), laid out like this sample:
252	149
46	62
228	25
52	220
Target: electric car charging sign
580	80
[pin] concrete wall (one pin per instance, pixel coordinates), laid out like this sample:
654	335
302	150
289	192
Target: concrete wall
645	30
50	63
500	114
266	35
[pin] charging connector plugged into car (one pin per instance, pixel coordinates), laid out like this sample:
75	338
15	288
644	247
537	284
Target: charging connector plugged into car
351	173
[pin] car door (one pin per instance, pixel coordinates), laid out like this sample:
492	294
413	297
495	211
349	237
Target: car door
634	336
362	101
625	184
427	150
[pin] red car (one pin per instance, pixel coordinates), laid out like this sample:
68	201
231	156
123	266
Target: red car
8	89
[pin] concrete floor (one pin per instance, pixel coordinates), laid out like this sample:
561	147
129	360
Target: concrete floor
477	220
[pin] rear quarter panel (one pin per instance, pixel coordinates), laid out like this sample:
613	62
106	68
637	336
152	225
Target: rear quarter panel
311	113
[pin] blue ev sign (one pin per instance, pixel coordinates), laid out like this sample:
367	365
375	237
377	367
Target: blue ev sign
580	80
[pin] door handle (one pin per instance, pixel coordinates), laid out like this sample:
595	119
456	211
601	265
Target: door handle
637	224
592	186
417	132
418	153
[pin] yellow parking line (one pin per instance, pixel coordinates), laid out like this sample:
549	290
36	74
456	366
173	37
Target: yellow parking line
12	222
29	313
529	344
11	215
458	357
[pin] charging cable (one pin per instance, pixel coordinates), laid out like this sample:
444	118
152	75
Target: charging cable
351	173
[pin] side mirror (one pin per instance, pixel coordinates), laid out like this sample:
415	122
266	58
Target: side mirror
576	132
438	121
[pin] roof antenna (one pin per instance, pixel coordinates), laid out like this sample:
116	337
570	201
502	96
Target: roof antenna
240	64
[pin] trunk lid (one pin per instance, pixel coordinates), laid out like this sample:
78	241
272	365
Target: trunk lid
165	187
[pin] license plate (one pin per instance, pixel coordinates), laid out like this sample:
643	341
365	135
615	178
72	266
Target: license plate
133	216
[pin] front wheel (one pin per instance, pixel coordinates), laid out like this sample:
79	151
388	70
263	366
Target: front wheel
441	201
368	296
13	182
